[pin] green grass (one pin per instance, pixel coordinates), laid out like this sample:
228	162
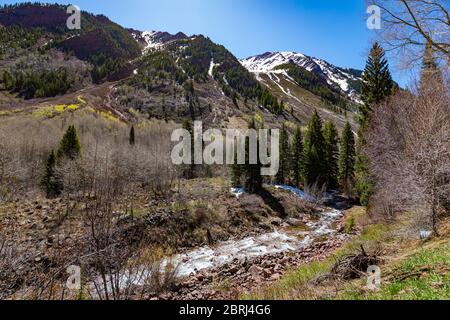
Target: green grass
424	275
350	224
414	271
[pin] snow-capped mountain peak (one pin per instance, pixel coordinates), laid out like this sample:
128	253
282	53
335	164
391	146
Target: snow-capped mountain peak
158	39
269	61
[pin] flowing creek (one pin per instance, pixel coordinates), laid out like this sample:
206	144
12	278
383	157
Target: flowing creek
283	240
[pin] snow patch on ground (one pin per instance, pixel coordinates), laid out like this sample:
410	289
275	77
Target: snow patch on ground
237	192
212	65
334	78
149	37
298	192
277	82
225	80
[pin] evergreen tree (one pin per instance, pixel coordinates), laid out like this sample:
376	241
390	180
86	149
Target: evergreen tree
236	172
285	157
31	84
331	137
364	180
51	182
377	84
347	158
189	170
253	178
132	136
297	156
314	153
70	146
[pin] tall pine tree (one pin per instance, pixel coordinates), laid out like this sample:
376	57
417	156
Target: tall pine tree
285	157
314	153
297	156
70	146
237	171
189	169
253	178
377	84
347	159
331	137
51	181
132	138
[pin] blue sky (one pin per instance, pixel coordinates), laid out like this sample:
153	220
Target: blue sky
334	30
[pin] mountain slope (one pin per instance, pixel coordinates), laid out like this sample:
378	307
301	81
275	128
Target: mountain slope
158	74
40	58
98	34
180	76
200	59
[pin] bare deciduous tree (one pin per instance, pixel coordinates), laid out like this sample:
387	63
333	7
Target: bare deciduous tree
409	25
10	261
409	144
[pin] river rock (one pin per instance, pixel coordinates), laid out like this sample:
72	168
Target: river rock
276	222
294	222
255	271
233	269
275	277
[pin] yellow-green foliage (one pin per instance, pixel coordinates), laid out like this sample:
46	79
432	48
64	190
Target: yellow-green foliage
178	207
107	115
90	109
51	111
12	112
259	119
291	125
81	100
59	108
134	112
4	113
220	285
350	224
43	112
73	107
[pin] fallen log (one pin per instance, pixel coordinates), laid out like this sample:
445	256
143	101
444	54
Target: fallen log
354	266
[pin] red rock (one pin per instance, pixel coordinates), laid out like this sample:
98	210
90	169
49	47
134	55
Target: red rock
275	277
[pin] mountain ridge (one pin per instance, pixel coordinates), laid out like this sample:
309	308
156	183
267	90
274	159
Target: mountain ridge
334	75
340	80
192	74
